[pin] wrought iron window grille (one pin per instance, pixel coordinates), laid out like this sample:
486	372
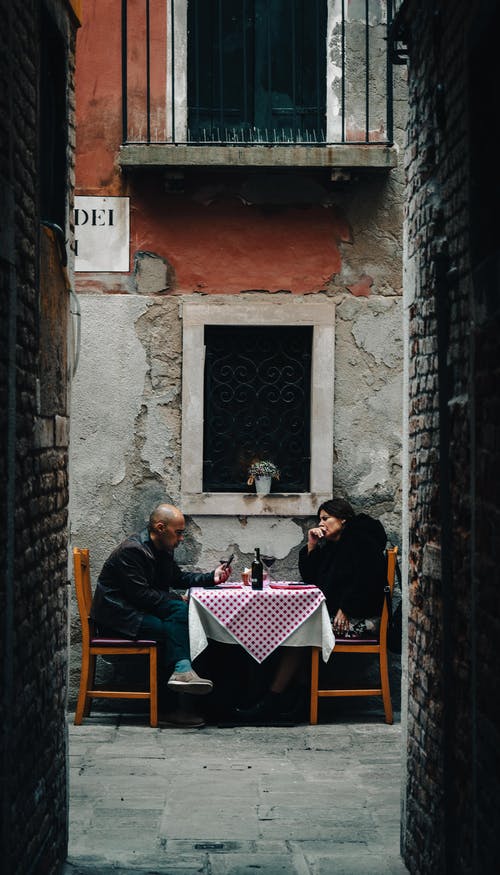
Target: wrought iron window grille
257	405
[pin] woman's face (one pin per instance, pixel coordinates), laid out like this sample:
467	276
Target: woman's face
331	525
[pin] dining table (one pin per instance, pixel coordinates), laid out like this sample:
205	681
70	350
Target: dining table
282	613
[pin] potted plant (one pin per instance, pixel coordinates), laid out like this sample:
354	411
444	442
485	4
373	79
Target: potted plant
262	472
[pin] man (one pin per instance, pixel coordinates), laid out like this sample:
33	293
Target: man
134	598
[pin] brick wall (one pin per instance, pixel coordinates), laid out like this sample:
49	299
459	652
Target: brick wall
453	447
33	474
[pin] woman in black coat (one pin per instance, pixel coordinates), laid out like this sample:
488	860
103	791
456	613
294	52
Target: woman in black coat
344	556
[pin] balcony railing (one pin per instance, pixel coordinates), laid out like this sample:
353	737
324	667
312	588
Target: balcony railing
256	72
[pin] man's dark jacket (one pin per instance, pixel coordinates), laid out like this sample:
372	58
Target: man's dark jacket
352	571
136	580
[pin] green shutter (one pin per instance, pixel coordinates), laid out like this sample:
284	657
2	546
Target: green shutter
257	70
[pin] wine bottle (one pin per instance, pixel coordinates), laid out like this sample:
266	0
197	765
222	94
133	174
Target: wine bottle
257	570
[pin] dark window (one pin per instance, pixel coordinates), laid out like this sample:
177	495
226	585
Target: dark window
257	405
257	70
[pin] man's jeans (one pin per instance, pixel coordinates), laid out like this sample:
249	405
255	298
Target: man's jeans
171	631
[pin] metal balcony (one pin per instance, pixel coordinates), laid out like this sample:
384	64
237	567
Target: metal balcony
256	83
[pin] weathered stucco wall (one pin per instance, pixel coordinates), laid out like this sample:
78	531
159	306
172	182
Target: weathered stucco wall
126	429
368	391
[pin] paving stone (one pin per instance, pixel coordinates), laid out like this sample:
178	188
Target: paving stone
263	864
168	866
226	827
357	865
132	801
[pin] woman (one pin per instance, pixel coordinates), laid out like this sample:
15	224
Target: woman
344	557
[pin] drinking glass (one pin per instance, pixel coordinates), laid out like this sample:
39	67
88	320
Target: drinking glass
268	561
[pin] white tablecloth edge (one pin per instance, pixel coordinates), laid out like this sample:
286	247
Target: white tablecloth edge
318	632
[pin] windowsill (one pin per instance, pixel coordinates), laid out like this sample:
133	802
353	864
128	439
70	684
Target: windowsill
250	504
377	156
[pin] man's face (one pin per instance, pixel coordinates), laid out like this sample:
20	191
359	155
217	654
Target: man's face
169	533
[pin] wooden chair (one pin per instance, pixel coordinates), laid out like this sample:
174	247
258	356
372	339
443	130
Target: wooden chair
353	646
93	646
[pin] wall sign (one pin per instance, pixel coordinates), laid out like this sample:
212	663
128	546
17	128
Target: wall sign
102	233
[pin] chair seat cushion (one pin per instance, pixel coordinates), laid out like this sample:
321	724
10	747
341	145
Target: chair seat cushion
359	639
125	642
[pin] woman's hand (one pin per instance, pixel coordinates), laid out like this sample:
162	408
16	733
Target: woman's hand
314	535
340	622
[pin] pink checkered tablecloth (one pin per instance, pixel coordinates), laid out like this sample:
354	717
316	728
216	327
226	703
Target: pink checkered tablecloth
258	620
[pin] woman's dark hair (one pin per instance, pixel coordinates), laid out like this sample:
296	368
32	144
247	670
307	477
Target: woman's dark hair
337	507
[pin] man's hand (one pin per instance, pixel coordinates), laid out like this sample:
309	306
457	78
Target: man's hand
222	573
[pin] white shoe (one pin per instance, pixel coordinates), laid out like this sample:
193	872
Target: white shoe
189	682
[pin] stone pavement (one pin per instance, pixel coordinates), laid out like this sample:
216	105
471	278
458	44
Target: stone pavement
297	800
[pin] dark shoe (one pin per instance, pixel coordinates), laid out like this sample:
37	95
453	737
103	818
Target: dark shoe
265	709
295	709
189	682
289	707
181	720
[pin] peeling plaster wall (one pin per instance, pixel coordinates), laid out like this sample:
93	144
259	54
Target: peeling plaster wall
107	397
126	423
368	392
126	431
276	537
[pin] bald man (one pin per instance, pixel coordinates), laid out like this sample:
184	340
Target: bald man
134	597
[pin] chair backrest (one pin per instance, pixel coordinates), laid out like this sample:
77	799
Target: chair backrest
392	558
81	565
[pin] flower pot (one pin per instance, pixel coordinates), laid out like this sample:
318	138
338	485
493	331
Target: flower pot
263	485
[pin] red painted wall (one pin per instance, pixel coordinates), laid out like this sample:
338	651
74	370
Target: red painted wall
230	247
223	247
